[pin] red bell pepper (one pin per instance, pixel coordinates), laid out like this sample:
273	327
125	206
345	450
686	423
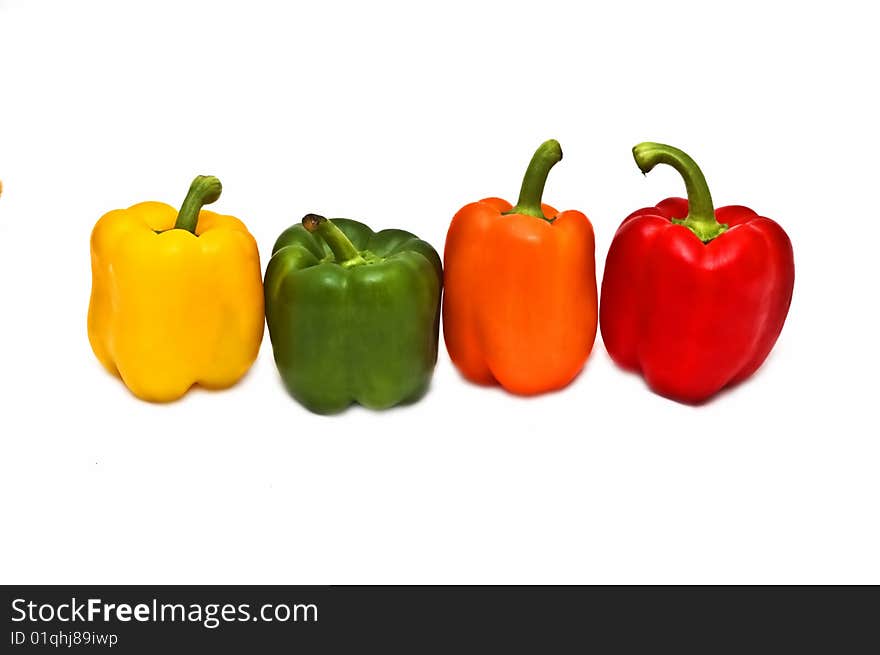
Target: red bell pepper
694	304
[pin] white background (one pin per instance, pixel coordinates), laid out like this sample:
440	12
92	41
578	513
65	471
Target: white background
398	114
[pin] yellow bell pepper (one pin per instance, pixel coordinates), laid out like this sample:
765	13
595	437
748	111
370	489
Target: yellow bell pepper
177	297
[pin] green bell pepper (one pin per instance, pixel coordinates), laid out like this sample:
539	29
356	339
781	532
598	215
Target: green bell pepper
353	315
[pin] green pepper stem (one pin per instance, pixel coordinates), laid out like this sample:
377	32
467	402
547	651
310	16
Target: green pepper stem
204	190
343	249
546	157
701	213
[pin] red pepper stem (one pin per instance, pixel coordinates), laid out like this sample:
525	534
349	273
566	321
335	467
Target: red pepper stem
204	190
342	248
701	213
546	157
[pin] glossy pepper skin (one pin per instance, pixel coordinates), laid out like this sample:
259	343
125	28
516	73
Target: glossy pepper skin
520	308
692	298
177	297
353	314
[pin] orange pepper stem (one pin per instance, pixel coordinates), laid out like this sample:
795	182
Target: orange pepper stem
546	157
204	190
344	251
701	212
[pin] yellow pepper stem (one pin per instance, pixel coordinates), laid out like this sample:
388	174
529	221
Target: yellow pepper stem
204	190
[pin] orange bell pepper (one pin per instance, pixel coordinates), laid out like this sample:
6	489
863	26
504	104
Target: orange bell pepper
520	303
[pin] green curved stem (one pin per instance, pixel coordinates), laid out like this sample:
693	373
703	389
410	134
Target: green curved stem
204	190
546	157
701	213
343	249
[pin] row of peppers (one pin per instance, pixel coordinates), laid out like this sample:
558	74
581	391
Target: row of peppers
693	298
